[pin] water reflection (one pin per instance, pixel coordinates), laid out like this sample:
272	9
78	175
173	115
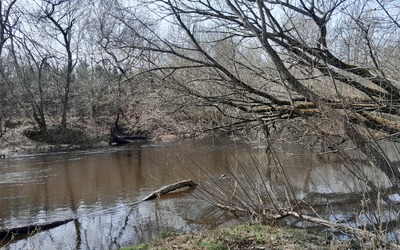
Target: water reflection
102	189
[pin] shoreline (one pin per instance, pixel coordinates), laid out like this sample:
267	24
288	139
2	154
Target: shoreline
14	142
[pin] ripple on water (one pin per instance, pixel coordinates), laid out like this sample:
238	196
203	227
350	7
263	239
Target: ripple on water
23	177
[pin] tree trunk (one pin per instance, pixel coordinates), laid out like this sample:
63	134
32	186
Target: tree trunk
67	86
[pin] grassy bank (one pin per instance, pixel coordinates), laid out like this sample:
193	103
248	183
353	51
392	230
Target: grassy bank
255	236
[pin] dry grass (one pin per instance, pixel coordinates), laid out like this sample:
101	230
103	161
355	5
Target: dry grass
256	236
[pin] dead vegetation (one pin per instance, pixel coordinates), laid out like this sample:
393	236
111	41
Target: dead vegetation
253	236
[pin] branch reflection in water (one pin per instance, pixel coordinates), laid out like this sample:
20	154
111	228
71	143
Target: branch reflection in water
102	189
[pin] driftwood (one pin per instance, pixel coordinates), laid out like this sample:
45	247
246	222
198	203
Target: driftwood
30	229
119	137
170	188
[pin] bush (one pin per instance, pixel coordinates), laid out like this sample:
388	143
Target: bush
58	135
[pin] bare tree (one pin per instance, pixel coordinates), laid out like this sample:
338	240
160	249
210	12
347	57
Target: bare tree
31	73
117	29
302	73
7	23
64	18
31	62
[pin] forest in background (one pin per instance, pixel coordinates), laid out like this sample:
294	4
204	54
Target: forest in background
66	80
196	66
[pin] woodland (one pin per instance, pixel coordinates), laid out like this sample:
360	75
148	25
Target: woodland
83	72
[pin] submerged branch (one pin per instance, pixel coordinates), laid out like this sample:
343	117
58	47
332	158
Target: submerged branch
31	229
345	228
269	215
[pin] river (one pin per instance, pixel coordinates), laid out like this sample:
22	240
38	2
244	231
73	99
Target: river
103	187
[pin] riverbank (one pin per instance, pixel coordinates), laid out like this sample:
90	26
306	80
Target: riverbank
21	137
250	236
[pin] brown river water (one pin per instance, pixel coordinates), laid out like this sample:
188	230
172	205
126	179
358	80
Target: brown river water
103	187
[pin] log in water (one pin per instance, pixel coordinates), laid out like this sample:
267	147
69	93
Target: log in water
35	228
170	188
31	229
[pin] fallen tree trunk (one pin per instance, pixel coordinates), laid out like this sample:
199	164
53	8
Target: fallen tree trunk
126	139
30	229
170	188
119	137
346	229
